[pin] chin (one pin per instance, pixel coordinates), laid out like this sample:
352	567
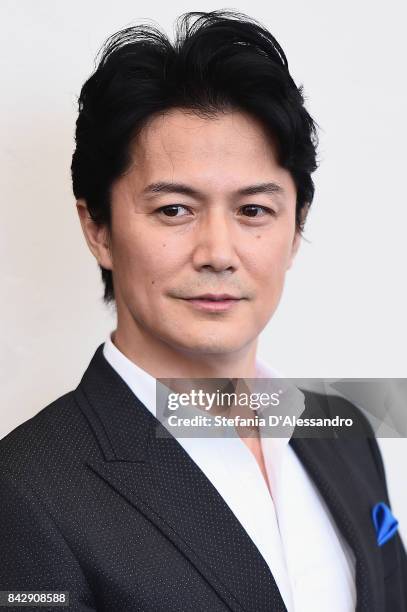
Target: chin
215	345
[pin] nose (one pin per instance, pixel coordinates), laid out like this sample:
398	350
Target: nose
215	242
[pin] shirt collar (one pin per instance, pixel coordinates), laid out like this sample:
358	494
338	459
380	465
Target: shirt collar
143	384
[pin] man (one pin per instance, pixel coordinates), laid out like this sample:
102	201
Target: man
192	174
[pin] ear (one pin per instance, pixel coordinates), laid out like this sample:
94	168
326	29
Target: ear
97	236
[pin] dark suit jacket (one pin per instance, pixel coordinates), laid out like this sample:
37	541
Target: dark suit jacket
93	503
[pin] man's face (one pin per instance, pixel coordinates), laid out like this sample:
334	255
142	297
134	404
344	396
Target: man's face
171	244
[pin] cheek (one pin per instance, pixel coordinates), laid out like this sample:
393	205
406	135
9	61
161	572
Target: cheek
144	262
269	260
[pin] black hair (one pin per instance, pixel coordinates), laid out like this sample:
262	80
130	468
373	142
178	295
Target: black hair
220	60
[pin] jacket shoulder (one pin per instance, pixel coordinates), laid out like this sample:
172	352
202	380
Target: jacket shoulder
53	438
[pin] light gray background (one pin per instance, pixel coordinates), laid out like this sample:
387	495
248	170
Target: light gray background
344	307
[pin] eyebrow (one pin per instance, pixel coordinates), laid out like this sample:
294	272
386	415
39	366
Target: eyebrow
164	187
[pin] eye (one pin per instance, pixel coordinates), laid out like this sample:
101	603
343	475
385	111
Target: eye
171	210
251	210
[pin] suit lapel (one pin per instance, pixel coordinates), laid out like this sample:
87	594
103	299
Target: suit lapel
159	478
332	463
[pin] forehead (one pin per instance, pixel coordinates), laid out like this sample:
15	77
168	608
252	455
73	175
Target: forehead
178	134
223	151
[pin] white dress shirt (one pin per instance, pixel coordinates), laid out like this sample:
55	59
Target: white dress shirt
293	529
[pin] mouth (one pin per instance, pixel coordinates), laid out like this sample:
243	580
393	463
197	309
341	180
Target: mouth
213	303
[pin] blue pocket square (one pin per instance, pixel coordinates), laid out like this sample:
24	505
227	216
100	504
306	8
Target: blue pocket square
385	523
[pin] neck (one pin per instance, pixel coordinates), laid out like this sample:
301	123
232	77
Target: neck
162	360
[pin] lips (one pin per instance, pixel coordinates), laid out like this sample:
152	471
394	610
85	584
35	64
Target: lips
214	297
214	303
